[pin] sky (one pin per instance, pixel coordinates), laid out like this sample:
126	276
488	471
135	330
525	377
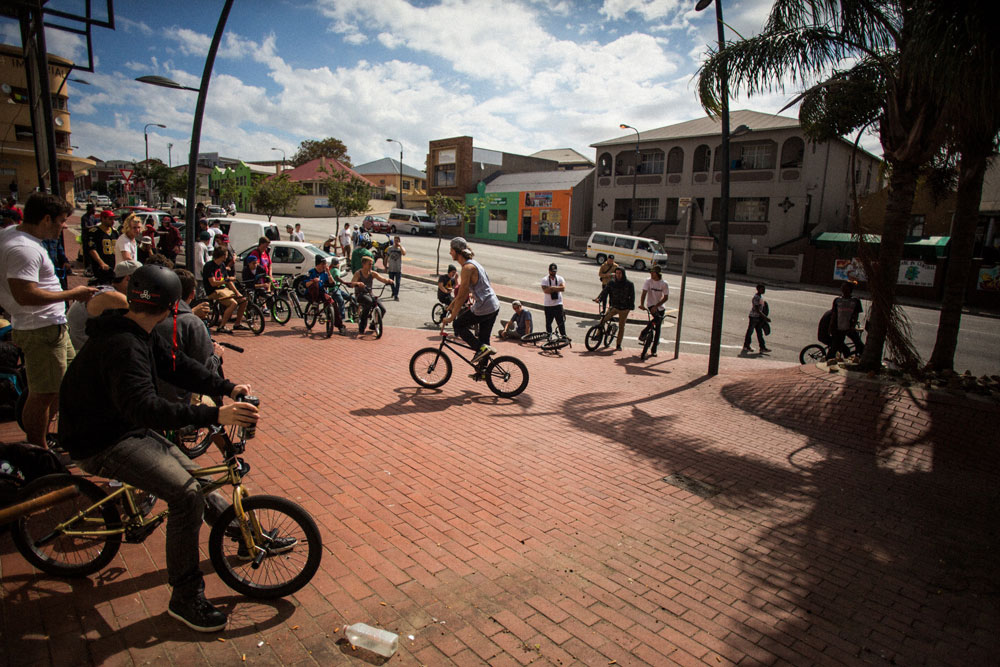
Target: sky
518	76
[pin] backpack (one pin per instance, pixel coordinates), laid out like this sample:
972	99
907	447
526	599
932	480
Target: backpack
823	332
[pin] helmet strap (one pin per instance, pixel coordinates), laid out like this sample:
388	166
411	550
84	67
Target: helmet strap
173	349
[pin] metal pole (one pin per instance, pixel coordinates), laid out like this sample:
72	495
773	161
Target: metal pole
146	163
170	159
199	112
400	175
684	275
718	308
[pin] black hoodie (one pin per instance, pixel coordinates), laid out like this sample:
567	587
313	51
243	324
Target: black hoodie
621	292
109	390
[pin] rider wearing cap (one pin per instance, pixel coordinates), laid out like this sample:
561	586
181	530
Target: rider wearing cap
110	412
553	285
483	312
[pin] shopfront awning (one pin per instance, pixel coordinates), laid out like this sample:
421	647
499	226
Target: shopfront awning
938	244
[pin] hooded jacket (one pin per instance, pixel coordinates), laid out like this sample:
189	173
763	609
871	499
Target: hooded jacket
109	390
193	338
621	292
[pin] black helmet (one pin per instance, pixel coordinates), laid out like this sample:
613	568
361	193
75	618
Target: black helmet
154	286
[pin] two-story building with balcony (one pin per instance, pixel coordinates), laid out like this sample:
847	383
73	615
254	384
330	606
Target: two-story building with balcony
783	187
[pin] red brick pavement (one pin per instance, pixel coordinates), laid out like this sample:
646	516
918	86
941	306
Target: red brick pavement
851	523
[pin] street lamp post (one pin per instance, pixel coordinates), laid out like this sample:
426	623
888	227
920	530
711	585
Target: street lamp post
199	112
280	150
170	159
400	193
635	173
145	135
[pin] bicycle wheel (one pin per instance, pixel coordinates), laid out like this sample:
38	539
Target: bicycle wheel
279	574
430	367
281	310
309	317
437	313
609	333
328	316
376	324
507	376
557	344
58	553
811	354
299	285
594	337
192	441
351	310
534	337
647	344
253	317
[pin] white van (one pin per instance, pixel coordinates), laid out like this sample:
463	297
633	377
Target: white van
635	250
412	222
245	233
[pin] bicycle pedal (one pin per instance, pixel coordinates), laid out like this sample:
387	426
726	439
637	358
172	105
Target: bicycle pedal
242	467
136	534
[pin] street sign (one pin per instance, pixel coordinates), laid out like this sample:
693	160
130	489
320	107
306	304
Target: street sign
126	174
684	202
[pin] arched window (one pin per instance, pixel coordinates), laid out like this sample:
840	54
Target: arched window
604	164
702	158
792	153
651	161
624	163
675	160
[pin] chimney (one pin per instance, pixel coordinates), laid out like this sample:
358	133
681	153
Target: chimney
322	162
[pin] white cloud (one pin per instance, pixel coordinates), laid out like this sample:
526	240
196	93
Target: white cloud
647	9
133	26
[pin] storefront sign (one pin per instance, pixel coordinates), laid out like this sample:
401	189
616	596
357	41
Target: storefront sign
549	222
321	202
537	199
916	273
497	200
989	279
849	269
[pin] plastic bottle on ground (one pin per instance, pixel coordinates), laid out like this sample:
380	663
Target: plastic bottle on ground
375	640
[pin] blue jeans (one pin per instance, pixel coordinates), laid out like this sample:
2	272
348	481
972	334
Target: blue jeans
154	464
396	277
338	297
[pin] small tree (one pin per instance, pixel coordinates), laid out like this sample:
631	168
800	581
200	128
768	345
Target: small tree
276	195
174	184
441	207
347	194
228	191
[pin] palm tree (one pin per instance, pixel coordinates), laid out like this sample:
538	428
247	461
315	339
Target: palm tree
889	43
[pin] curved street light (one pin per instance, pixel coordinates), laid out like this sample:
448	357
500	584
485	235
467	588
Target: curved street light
282	151
635	173
145	135
399	195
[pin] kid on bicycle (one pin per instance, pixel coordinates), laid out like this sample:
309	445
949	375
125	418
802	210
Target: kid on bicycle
319	280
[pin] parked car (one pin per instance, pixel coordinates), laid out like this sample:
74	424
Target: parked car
245	232
101	201
377	223
637	251
122	213
288	258
412	222
215	211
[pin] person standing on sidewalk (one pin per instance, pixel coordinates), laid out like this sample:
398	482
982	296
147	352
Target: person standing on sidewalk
394	265
656	288
88	222
621	292
554	285
345	241
758	318
483	312
99	245
30	292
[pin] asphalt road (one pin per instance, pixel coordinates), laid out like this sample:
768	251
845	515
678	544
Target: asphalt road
794	311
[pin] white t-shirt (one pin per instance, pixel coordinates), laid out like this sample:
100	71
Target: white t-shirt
22	256
125	243
299	236
555	298
345	238
202	254
655	290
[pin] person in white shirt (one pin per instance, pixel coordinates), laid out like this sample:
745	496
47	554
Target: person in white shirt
658	292
214	230
554	285
202	254
345	240
30	292
127	245
298	234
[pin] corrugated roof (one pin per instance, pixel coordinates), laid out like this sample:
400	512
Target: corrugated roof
310	171
706	127
538	180
562	156
388	166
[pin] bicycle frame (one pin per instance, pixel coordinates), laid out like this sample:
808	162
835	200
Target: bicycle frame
453	344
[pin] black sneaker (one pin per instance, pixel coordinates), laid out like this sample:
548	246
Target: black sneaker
198	614
274	545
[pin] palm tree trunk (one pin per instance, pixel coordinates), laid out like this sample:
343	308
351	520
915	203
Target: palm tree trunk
882	285
971	171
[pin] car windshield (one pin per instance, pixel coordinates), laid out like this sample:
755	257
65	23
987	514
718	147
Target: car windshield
657	247
425	218
319	251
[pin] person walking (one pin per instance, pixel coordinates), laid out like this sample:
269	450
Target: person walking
483	313
394	265
553	285
621	293
758	318
657	291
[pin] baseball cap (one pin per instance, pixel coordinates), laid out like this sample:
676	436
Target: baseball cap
224	238
146	239
515	303
333	237
126	267
459	243
553	267
204	236
107	214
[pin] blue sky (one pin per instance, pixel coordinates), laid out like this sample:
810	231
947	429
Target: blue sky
517	75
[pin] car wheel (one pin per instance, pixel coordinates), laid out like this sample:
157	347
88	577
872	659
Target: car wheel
413	230
392	229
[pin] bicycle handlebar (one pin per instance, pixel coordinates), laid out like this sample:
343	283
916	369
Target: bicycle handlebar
234	348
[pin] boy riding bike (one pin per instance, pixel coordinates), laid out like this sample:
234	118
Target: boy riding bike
319	280
109	412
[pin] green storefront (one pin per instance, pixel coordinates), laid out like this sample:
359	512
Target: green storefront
495	215
241	177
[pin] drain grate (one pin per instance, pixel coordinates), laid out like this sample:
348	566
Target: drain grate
692	485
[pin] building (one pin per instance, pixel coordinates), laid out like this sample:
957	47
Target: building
385	175
547	207
783	186
312	176
18	166
567	158
242	176
455	166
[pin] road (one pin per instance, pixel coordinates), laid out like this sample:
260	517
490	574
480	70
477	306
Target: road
794	311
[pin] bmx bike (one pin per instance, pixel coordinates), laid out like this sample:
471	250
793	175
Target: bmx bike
430	367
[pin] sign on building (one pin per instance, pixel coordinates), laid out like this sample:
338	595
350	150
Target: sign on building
916	273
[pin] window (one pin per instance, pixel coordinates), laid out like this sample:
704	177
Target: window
444	175
673	203
646	209
756	156
604	164
651	161
743	209
406	185
702	159
675	160
624	243
498	221
381	181
624	163
916	225
792	152
644	247
603	239
321	189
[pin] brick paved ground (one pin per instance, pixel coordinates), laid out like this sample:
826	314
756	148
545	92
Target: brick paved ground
850	523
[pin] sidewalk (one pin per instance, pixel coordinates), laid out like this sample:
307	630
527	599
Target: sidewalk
617	512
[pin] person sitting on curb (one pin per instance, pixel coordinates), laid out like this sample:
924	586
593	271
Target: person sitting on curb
518	326
621	291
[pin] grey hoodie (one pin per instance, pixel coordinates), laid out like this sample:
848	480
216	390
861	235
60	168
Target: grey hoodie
193	339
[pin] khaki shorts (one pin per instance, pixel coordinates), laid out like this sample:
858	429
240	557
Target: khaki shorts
47	353
226	297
